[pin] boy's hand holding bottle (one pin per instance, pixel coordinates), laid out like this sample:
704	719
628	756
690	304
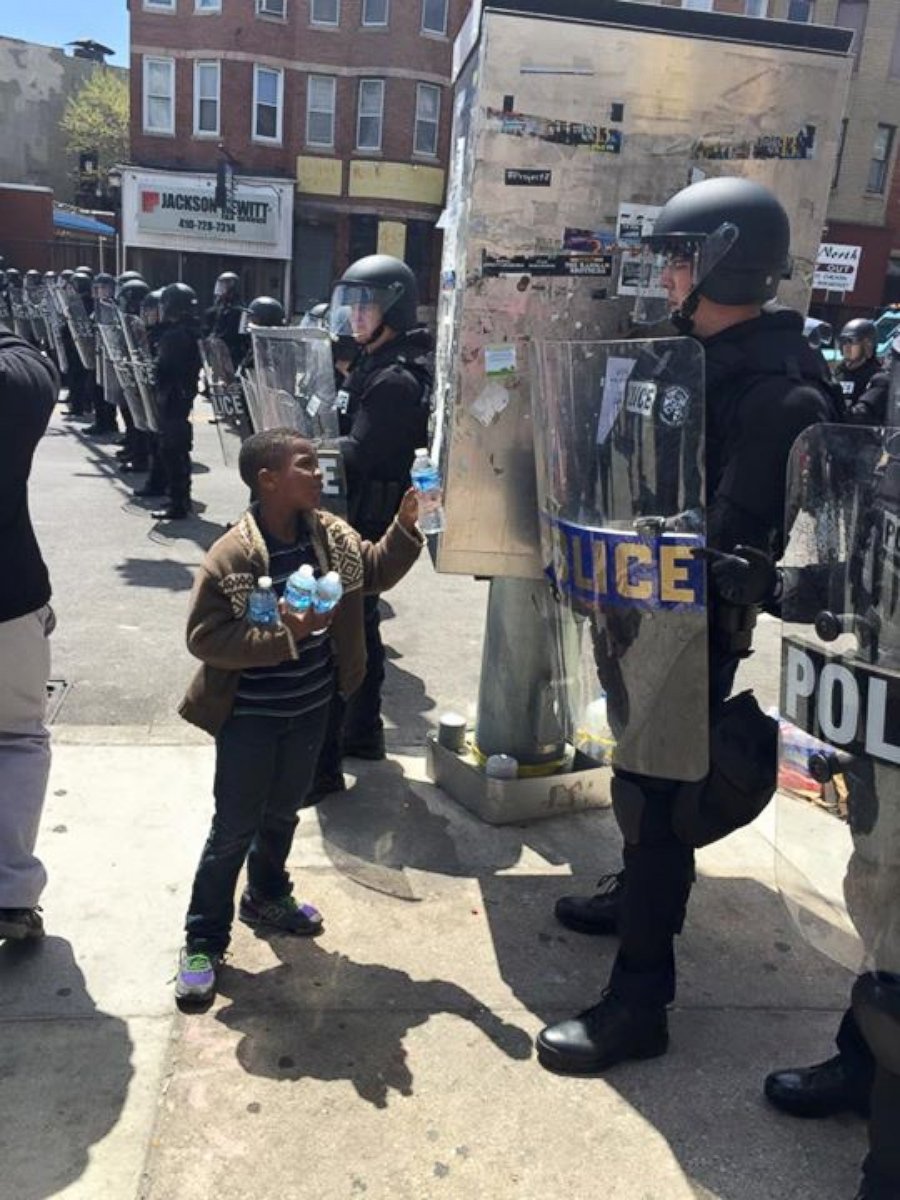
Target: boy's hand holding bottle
408	512
306	623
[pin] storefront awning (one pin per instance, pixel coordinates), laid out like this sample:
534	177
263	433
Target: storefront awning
76	223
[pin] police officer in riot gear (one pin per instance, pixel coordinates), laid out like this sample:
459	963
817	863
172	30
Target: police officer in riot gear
316	317
135	454
223	320
177	371
862	379
721	246
376	302
264	310
103	288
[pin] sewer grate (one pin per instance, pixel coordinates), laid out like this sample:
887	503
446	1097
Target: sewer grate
57	690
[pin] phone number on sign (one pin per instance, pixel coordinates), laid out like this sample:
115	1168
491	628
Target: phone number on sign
207	226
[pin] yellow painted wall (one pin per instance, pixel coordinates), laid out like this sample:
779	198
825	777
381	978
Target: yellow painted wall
397	181
319	176
392	238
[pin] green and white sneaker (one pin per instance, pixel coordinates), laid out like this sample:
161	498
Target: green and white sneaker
195	982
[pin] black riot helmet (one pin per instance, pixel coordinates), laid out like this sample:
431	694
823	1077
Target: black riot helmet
103	286
50	277
859	332
65	276
13	277
131	295
85	271
82	284
316	317
264	310
178	302
735	235
150	308
33	278
382	284
227	288
127	277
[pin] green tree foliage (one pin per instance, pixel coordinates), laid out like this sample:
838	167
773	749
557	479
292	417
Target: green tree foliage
96	118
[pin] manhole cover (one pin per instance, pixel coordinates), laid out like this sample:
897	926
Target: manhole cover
57	689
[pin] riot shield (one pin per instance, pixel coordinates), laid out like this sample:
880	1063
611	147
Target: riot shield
838	811
21	321
118	356
55	321
6	317
294	382
80	326
226	394
107	315
619	447
143	366
35	299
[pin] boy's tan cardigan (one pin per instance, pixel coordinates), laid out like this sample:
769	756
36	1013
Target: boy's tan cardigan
220	635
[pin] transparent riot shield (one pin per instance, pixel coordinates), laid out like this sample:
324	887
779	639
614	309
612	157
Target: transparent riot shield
80	326
118	356
838	810
107	315
35	299
55	321
143	365
619	447
21	322
294	382
226	394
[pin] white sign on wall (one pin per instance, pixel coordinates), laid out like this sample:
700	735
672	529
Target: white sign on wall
836	267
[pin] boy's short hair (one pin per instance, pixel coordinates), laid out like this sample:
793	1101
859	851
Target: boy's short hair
266	450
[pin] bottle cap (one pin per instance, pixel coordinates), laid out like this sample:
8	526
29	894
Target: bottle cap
306	570
422	452
265	581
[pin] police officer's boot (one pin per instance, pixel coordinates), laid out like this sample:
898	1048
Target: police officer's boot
597	914
823	1090
610	1032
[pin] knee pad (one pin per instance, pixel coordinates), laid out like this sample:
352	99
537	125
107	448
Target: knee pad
876	1006
743	775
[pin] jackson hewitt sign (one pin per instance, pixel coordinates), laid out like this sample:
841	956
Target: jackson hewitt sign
252	216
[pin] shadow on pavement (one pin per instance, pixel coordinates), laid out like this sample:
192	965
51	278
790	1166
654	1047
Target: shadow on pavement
63	1083
153	573
312	1017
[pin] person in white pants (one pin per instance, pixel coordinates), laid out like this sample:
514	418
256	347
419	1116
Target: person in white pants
28	392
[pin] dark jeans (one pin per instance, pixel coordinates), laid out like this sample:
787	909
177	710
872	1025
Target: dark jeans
359	719
264	769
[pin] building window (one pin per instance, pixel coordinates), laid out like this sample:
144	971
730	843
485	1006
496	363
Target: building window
428	111
370	116
206	97
208	6
852	14
325	12
272	8
881	157
320	101
159	95
801	10
363	236
420	256
756	8
268	86
698	5
434	16
840	154
160	5
375	12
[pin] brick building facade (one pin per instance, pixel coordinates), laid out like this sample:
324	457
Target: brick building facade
349	101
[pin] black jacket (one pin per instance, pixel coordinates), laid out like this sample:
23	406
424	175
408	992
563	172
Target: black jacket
387	421
28	391
177	369
224	321
869	405
764	386
854	383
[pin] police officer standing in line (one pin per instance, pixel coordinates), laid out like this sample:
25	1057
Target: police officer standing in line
177	371
135	454
388	400
103	288
224	319
725	245
82	381
863	381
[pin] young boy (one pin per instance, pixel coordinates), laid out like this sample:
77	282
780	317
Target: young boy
265	693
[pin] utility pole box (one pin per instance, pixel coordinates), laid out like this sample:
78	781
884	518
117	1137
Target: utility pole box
573	122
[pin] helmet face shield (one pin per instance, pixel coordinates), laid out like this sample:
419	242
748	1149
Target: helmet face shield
360	308
245	322
669	271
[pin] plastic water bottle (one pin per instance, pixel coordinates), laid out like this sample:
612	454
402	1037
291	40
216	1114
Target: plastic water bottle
426	480
300	589
502	766
328	592
262	608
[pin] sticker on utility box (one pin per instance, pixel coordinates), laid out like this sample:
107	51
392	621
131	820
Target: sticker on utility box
527	178
500	360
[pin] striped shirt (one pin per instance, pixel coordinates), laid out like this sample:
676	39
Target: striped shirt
301	685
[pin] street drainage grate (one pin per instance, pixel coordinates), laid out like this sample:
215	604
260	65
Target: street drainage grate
57	689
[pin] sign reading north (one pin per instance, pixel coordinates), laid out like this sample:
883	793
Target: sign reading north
193	212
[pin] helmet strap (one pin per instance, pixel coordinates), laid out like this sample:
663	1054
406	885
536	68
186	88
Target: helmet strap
683	316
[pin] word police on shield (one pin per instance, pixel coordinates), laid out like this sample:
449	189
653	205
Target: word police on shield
628	569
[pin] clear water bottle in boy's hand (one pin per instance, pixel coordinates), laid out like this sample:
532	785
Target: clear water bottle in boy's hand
426	479
328	592
300	589
262	608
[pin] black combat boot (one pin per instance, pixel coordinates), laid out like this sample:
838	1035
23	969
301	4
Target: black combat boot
820	1091
610	1032
597	914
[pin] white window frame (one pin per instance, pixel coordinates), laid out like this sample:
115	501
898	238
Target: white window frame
376	24
160	5
146	62
310	110
262	11
360	114
198	64
420	87
428	28
884	181
279	112
208	6
323	24
761	5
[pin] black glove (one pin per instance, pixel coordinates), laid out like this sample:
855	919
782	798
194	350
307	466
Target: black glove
746	577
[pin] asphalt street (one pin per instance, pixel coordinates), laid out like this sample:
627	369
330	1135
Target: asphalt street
390	1058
